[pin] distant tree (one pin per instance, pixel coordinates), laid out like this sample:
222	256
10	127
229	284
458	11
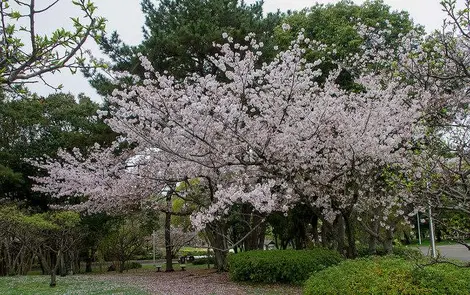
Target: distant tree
35	126
336	26
179	36
95	228
16	258
57	242
53	237
441	175
126	238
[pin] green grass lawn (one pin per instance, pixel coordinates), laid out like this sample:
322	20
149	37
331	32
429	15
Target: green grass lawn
37	285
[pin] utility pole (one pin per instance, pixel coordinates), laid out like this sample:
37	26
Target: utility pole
431	227
419	228
431	231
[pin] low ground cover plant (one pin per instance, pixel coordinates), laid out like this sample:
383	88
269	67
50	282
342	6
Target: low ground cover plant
77	285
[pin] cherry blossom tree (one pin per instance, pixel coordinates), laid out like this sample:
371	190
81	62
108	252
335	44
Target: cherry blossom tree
439	174
264	134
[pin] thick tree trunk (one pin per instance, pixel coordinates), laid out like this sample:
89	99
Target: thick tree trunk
217	235
62	268
314	232
53	282
89	259
406	238
373	238
25	262
55	260
48	262
8	257
220	259
350	234
388	241
88	264
261	235
339	234
42	266
122	265
3	263
325	234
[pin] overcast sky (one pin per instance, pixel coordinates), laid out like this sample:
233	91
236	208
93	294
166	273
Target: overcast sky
126	18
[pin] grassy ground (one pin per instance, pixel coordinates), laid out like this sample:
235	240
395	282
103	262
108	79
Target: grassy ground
38	285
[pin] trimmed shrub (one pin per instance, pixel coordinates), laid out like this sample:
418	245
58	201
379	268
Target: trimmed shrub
412	253
285	266
444	279
201	261
388	275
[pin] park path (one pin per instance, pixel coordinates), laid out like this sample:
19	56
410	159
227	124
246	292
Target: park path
195	282
456	251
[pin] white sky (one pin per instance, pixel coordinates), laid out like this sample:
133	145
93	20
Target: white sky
126	18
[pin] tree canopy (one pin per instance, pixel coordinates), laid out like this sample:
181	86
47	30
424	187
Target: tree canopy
35	126
26	55
179	36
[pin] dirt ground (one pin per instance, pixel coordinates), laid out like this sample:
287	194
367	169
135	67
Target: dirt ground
196	282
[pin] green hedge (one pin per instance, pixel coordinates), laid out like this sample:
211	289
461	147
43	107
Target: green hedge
401	251
201	261
388	275
286	266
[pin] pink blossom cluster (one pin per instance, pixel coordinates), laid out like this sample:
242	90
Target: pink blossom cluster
267	134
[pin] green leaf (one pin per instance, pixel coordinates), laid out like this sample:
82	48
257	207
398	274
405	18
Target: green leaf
15	14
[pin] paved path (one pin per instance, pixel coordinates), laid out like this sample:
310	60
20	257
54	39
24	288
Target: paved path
457	251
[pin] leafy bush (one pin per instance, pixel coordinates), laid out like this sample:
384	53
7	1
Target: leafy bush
201	261
286	266
444	279
401	251
388	275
